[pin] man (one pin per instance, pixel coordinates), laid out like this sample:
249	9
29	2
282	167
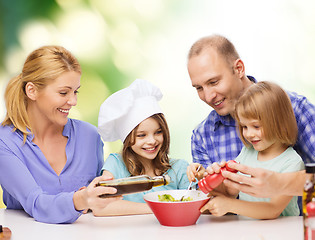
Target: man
218	74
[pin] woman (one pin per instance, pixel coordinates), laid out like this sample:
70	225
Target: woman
47	159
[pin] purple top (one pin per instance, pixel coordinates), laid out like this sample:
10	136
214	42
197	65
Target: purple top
29	182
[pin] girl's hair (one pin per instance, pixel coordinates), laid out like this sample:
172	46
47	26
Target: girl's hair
268	103
160	163
41	67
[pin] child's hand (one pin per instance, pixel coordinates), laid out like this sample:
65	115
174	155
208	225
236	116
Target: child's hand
192	172
217	206
215	168
108	174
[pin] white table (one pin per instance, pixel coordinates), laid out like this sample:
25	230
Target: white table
147	227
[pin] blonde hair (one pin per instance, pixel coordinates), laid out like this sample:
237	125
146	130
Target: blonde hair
161	161
41	67
220	44
270	104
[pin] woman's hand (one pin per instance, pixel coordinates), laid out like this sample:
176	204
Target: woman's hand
85	210
88	198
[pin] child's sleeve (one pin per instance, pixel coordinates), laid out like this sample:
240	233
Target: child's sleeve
116	166
180	168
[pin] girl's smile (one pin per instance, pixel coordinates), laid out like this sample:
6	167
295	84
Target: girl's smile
149	139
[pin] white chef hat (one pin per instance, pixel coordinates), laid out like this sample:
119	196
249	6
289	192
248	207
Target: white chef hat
121	112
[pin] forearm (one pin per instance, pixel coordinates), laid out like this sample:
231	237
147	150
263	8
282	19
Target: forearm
60	208
80	200
122	207
291	184
257	210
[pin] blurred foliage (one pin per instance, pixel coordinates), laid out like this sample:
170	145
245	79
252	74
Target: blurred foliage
113	40
15	12
112	55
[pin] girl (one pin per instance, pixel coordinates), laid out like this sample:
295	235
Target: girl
134	116
46	157
268	129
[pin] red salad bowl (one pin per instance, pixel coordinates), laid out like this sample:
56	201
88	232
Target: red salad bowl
176	214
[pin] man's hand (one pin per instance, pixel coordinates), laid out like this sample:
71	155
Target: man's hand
260	183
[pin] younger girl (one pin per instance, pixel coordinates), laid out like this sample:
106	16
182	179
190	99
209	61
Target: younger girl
134	116
268	129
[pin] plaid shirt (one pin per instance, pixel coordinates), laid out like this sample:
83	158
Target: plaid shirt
216	139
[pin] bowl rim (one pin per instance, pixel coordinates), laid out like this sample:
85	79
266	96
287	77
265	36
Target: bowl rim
202	198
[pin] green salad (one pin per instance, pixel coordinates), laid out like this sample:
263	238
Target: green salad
170	198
